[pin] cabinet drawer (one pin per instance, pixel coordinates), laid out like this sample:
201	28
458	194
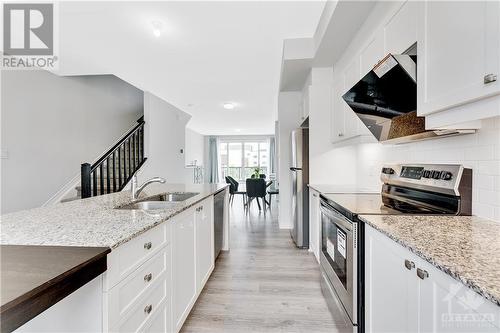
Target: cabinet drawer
159	323
127	293
144	309
126	258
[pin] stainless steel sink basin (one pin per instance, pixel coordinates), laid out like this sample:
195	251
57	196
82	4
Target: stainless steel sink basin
173	197
148	205
160	201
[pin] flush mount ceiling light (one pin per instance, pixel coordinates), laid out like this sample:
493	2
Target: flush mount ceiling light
157	28
228	106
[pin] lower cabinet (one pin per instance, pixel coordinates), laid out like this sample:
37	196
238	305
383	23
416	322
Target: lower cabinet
204	218
407	294
183	268
314	222
167	268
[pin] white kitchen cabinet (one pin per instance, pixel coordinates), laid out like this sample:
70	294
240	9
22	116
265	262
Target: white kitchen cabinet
352	123
183	267
400	32
337	112
204	218
159	322
305	103
391	289
447	305
369	57
458	47
314	222
399	300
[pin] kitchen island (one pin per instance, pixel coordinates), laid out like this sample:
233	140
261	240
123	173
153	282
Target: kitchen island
155	270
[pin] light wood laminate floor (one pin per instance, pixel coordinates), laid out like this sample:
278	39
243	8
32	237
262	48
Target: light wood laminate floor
263	284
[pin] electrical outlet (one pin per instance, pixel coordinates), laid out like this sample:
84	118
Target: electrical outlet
4	154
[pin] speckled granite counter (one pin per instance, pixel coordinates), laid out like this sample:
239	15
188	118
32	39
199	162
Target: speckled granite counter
465	247
94	221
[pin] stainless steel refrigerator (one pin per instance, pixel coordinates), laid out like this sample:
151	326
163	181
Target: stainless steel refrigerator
299	173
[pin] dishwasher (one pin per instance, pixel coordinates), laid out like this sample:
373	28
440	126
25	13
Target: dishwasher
219	199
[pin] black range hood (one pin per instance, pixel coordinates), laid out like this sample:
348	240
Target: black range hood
385	100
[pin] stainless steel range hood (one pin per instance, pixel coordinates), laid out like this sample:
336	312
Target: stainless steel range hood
385	100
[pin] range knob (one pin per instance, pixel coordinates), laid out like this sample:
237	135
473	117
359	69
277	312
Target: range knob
436	174
426	173
445	175
388	171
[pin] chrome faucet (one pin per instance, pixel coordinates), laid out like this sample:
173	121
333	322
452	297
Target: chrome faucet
137	190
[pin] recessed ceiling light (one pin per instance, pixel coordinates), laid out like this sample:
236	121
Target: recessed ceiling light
237	129
157	28
228	106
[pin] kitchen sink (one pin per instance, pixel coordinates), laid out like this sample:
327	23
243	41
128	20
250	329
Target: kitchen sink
160	201
148	205
172	197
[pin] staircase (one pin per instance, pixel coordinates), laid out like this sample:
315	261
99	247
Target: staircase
116	167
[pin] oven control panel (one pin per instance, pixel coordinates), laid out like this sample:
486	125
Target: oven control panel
443	178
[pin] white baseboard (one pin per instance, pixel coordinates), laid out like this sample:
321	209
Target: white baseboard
64	191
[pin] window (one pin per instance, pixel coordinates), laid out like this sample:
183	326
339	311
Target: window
239	159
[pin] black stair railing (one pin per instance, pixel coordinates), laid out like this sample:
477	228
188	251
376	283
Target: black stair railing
117	166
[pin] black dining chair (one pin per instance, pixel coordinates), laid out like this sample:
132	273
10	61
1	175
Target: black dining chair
233	189
256	188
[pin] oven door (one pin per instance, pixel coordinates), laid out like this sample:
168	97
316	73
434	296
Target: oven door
338	256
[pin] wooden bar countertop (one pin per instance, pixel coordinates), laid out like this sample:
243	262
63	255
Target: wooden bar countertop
33	278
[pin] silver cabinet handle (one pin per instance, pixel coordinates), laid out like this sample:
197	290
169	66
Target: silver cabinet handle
148	277
315	195
148	308
147	245
341	134
409	264
488	78
422	273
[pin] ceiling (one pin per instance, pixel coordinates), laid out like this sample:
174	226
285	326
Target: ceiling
208	53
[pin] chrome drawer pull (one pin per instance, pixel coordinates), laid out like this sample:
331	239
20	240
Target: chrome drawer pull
148	277
148	245
490	78
422	273
148	308
409	264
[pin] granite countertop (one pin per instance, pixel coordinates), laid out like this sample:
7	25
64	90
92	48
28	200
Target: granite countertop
465	247
94	222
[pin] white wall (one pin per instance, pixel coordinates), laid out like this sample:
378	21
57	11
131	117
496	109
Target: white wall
51	124
195	147
194	150
289	108
359	164
164	138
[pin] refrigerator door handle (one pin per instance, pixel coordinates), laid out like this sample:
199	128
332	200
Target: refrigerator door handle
295	169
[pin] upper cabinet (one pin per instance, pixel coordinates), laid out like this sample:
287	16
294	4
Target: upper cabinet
337	111
371	55
400	32
458	53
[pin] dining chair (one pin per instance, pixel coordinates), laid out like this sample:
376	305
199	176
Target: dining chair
256	188
233	189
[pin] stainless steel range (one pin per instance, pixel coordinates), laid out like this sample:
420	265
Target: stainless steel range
415	189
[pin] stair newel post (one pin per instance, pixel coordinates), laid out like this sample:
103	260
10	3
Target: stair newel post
85	179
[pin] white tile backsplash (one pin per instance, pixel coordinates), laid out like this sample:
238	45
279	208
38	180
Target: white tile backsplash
479	151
